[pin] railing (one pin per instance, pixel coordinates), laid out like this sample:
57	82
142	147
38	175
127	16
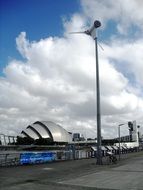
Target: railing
12	158
8	159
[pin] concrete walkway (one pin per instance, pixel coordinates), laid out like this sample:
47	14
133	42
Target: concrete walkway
76	175
125	177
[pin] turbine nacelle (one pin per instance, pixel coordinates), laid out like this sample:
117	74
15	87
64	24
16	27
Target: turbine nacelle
91	31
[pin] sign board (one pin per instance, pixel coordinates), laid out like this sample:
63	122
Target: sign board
135	132
36	157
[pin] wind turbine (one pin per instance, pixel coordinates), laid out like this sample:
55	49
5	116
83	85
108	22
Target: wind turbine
92	32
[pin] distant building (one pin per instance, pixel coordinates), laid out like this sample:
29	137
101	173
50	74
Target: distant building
78	137
47	130
126	138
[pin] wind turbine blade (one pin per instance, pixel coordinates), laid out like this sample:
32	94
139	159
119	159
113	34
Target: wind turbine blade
77	33
100	46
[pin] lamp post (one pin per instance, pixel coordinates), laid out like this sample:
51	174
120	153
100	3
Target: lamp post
119	136
92	32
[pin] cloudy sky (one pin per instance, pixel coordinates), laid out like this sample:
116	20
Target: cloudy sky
48	74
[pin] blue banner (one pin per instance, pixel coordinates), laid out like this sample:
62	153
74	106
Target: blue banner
33	158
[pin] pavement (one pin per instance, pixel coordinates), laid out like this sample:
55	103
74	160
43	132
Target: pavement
83	174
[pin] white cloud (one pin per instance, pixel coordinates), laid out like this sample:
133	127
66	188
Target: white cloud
57	79
126	14
129	55
22	44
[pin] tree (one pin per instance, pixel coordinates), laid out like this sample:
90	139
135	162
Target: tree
24	140
43	141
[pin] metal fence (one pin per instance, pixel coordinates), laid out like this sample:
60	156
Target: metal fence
13	158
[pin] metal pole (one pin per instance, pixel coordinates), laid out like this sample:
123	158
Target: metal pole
99	155
119	135
92	32
119	141
8	140
0	140
4	139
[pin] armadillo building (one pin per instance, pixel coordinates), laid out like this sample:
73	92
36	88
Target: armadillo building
47	130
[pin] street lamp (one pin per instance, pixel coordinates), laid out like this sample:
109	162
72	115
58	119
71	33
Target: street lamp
92	32
119	136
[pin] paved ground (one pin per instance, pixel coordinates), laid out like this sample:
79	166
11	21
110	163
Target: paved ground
76	175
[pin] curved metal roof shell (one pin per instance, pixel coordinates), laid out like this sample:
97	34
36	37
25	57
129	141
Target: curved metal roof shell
31	133
59	133
42	131
47	129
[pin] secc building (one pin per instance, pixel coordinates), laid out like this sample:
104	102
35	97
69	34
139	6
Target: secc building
47	130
